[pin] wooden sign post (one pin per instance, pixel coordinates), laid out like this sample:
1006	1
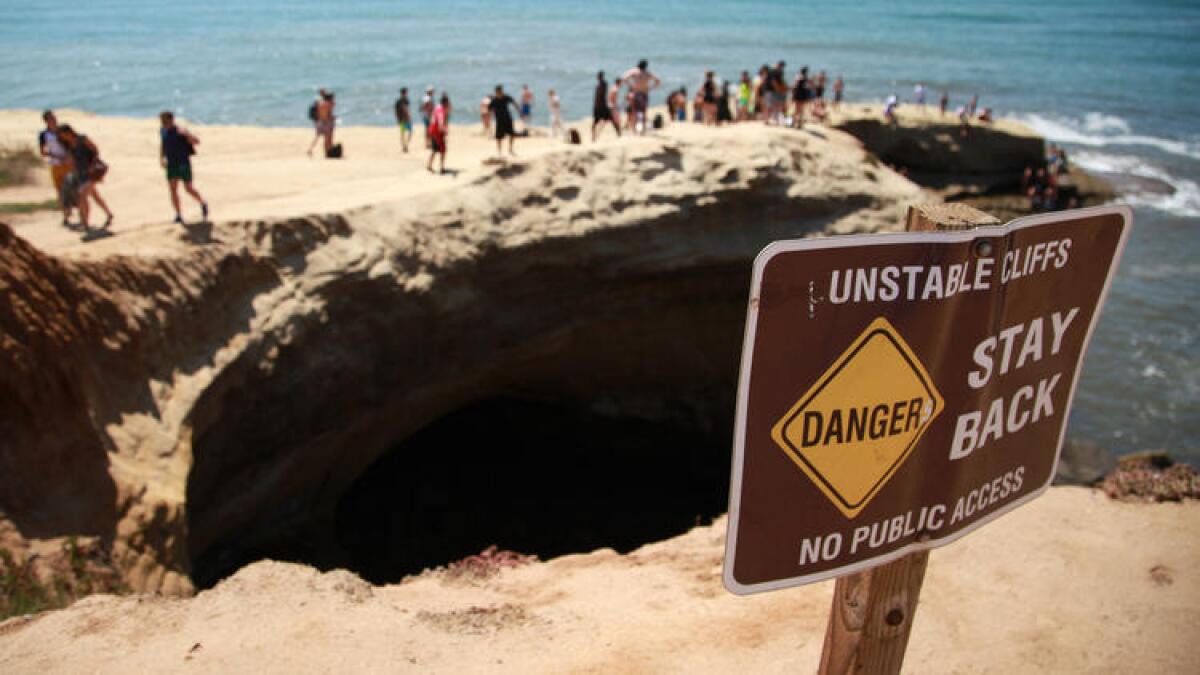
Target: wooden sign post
873	610
899	391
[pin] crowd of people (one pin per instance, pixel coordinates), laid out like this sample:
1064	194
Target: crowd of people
767	97
1049	187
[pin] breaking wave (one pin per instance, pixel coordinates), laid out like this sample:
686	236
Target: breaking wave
1099	130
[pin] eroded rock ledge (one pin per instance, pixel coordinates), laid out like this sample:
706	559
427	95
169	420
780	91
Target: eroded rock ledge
186	409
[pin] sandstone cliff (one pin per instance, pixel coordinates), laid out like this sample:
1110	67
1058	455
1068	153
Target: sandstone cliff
191	408
980	164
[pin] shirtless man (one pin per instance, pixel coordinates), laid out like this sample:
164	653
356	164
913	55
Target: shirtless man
640	81
613	95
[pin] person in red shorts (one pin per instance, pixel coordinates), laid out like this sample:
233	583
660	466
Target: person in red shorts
439	128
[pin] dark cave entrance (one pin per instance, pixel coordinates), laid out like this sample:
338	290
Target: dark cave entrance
538	477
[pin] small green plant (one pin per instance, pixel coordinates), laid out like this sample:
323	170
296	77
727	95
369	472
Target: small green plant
28	207
78	571
20	590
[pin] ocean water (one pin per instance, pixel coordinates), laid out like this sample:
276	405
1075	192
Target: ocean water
1117	82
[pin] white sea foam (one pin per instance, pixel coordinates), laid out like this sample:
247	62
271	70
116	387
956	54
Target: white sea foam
1100	130
1095	122
1184	201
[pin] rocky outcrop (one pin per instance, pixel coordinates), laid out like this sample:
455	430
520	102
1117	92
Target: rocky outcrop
187	409
943	147
981	163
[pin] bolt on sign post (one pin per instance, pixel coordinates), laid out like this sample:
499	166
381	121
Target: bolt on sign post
897	392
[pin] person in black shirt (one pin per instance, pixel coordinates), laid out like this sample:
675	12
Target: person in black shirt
404	118
88	170
724	114
175	155
708	92
601	112
504	121
799	97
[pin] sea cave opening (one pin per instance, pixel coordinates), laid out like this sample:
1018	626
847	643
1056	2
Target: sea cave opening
540	477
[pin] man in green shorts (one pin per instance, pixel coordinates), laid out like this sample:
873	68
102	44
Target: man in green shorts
175	154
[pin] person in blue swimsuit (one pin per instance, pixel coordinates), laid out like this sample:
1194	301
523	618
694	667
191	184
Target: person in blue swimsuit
526	104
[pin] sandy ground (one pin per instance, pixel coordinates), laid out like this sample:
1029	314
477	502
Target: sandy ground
1072	583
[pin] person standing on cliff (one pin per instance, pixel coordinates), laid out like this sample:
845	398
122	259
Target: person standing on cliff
324	122
556	122
504	122
439	128
404	118
601	113
526	105
56	156
944	101
919	95
839	86
175	154
427	104
640	81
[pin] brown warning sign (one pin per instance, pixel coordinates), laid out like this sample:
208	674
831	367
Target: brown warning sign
900	390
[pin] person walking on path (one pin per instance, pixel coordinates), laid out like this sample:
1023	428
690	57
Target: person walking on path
601	112
556	123
640	81
504	121
175	155
87	171
324	123
56	156
439	128
404	118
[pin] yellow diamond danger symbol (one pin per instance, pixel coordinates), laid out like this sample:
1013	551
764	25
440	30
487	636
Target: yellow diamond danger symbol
856	425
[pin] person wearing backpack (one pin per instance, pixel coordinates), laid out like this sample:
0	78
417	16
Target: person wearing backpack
175	155
321	113
87	171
